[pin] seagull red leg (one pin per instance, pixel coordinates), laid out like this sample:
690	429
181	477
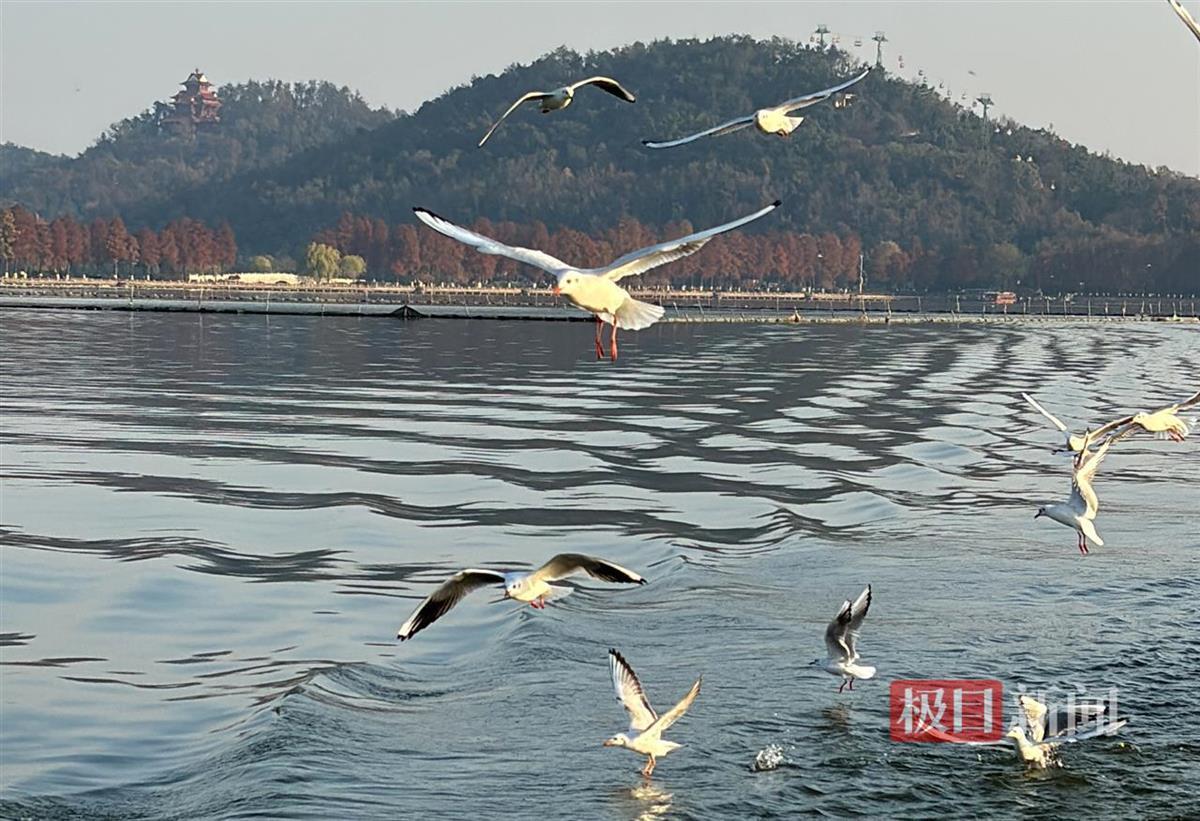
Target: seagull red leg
613	342
842	685
599	345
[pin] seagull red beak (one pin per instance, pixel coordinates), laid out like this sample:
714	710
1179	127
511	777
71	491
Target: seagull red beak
555	290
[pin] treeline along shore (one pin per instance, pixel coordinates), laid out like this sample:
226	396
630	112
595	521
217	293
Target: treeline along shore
540	303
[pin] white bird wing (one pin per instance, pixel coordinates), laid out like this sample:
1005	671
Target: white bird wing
1108	427
531	95
630	693
1194	399
450	593
817	96
640	261
724	128
858	612
835	634
675	713
1053	419
1187	18
607	84
568	564
486	245
1035	716
1101	730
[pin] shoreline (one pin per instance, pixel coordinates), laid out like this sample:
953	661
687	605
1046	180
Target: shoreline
540	304
536	313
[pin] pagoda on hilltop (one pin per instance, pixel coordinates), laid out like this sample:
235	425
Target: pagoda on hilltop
194	106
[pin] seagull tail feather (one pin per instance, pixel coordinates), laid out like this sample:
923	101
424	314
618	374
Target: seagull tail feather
633	315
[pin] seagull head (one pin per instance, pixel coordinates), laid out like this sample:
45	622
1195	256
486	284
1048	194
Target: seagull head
567	284
1041	512
512	587
619	740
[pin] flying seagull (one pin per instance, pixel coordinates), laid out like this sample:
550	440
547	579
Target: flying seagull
841	642
1187	19
1079	511
562	97
1077	444
1168	420
775	120
595	289
534	587
645	726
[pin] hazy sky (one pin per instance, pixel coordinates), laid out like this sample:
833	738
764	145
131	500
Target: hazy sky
1122	77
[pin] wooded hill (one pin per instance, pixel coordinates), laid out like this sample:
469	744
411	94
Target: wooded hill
901	172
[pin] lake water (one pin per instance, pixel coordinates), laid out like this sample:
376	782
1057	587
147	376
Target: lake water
214	525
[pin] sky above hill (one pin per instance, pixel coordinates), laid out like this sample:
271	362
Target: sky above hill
1121	77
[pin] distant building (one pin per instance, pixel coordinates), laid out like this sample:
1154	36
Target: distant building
195	106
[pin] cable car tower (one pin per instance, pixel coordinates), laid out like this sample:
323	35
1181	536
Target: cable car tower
822	30
985	100
879	41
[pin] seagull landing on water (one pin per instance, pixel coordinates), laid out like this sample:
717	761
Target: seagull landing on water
1079	511
534	587
595	289
1074	443
645	726
1167	420
560	98
1041	750
776	120
841	642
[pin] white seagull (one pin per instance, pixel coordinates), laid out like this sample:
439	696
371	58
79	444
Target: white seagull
1168	420
776	120
1043	725
841	642
561	98
534	587
1041	753
645	726
1077	444
595	289
1079	511
1187	19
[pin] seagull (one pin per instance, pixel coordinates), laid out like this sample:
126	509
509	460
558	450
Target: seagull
841	641
595	289
1040	754
1077	444
1167	420
767	120
1042	725
534	587
1079	511
562	97
1187	19
645	726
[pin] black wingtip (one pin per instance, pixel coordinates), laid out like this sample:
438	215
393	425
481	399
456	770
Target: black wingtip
777	203
642	581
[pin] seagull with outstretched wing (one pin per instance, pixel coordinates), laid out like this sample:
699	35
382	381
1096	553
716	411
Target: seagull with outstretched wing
1077	444
645	726
595	289
532	587
774	120
560	98
841	642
